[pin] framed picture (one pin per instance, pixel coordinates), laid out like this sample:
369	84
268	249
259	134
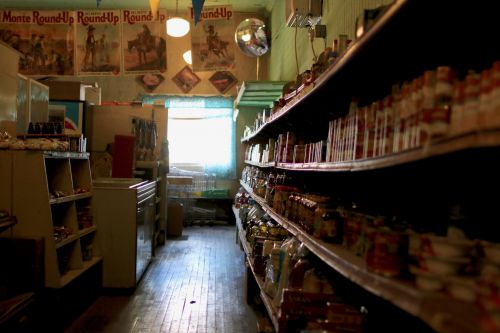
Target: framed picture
73	115
150	81
223	81
186	79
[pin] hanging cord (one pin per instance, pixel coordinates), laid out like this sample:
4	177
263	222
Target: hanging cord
296	57
311	39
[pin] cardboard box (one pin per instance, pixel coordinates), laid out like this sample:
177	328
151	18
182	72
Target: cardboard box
66	90
175	218
179	180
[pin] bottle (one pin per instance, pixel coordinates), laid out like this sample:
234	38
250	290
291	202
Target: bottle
31	128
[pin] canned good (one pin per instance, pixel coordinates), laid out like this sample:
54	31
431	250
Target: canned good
386	251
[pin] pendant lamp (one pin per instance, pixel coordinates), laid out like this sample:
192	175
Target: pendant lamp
176	26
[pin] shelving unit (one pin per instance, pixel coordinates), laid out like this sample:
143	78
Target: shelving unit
259	93
438	310
37	174
261	165
393	51
266	300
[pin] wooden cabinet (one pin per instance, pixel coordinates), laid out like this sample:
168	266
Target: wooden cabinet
422	183
51	196
8	82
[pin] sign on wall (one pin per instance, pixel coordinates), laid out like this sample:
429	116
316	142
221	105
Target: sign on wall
212	39
45	38
98	39
144	48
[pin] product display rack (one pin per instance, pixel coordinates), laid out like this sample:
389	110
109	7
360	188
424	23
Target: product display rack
266	300
438	310
37	174
261	165
373	63
368	70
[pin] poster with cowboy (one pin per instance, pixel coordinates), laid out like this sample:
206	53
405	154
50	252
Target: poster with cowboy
144	48
98	39
45	39
212	39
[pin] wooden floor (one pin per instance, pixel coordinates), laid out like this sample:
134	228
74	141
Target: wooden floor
194	284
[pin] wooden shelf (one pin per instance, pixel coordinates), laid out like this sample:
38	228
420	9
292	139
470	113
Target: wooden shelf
69	198
259	93
34	172
87	231
147	164
259	279
74	273
273	313
260	165
371	64
70	239
7	223
436	309
367	71
65	154
483	139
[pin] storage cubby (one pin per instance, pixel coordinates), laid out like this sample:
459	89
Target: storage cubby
69	258
58	176
37	174
64	215
84	217
88	246
82	181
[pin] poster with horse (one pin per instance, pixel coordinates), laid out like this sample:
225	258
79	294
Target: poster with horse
144	48
212	39
98	39
45	39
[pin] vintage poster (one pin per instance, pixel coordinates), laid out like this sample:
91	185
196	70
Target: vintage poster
45	38
98	40
212	39
144	48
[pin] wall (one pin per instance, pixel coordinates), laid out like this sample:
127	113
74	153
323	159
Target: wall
124	88
339	16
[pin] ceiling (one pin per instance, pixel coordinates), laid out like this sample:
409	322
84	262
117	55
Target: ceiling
238	5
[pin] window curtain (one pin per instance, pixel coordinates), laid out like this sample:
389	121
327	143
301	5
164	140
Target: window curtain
201	130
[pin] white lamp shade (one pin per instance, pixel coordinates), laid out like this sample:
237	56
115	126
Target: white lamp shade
187	57
177	27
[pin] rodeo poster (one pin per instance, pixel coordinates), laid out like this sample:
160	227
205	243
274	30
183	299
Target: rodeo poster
45	39
144	48
212	39
98	40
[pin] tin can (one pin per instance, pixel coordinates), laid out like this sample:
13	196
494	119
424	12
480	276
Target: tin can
386	251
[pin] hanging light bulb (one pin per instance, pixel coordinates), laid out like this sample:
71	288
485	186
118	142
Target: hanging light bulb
187	57
176	26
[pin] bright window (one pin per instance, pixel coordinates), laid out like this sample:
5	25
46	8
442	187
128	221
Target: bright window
204	137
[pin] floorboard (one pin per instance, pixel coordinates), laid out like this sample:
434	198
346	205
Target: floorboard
194	284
